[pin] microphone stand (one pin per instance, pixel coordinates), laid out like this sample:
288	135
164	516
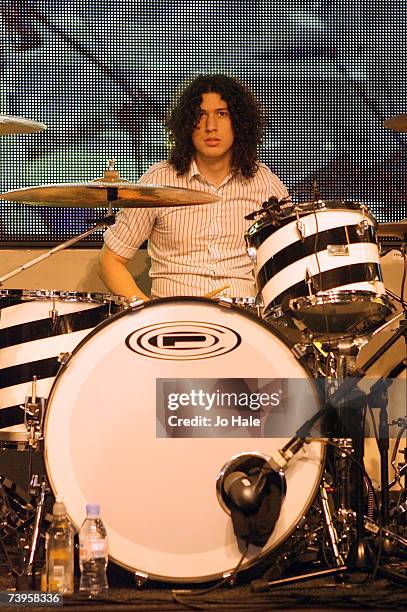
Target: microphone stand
378	398
360	555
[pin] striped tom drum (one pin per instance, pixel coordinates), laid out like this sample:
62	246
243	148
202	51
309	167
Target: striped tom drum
36	328
317	263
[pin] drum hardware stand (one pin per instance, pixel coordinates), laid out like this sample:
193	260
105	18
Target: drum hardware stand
110	175
268	208
287	558
53	315
341	362
395	538
25	532
39	489
359	550
378	398
390	321
108	220
401	468
327	516
360	554
308	277
315	192
344	513
398	514
34	408
305	539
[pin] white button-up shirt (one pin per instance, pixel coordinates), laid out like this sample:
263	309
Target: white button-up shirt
196	249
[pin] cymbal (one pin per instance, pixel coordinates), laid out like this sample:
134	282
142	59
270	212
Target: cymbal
18	125
399	228
397	123
98	193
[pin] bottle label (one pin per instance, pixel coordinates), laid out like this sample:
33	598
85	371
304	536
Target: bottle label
56	555
56	579
95	549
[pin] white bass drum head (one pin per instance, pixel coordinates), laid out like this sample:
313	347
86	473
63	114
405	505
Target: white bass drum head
158	495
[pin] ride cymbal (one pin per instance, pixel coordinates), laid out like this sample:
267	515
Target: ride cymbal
99	193
397	123
18	125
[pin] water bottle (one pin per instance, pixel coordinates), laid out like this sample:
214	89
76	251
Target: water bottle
59	549
93	546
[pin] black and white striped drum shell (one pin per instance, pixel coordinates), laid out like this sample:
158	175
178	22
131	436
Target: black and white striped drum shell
32	338
333	244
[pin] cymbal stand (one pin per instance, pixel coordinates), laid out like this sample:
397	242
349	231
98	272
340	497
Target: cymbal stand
109	219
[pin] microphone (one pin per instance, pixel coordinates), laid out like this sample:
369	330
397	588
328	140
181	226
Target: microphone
255	500
244	490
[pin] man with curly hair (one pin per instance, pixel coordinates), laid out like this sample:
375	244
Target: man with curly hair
215	127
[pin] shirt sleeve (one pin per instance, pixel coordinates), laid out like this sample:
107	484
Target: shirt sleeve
282	191
133	226
274	186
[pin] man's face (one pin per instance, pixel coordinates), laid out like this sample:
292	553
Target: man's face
213	136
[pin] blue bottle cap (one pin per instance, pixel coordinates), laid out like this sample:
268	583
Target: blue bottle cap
93	509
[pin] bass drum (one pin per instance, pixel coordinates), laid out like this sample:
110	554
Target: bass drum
104	443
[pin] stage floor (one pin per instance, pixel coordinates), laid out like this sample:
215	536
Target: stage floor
357	591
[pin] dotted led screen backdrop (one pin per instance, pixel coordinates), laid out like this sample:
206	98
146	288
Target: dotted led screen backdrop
100	75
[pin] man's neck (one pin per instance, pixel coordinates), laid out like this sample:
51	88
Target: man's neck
215	170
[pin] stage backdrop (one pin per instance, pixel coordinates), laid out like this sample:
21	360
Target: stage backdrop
100	74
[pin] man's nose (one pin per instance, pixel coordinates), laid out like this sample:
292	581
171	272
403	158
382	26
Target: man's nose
211	123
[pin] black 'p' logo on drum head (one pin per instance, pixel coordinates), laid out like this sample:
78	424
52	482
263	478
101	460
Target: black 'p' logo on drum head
180	340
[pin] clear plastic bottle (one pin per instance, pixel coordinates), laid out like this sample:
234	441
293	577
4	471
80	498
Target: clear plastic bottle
59	550
93	550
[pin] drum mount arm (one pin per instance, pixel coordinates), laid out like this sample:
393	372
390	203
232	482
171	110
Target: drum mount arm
269	207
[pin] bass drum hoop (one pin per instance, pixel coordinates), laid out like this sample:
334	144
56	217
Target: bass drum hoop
257	557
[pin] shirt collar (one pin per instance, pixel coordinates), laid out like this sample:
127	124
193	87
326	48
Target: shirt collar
193	172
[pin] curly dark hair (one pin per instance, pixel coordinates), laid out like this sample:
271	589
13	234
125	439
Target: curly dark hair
246	115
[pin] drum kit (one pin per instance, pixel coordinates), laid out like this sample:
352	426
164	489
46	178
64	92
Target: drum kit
79	375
